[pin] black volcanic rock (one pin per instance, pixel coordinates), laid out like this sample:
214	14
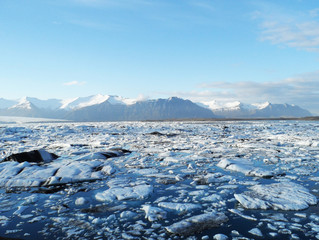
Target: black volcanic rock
35	156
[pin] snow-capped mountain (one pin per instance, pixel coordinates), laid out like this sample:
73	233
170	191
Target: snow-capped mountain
159	109
115	108
238	109
82	102
55	104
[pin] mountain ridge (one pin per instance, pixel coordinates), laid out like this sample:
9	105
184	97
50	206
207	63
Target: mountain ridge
115	108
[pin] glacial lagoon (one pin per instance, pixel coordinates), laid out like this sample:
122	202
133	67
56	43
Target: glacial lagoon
160	180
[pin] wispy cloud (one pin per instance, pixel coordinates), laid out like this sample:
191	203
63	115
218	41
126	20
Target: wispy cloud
203	4
291	29
105	19
314	12
303	35
302	90
74	83
156	11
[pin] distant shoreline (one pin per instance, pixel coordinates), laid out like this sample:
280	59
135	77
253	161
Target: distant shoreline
17	120
316	118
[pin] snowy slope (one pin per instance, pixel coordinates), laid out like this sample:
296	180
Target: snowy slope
82	102
114	108
157	109
238	109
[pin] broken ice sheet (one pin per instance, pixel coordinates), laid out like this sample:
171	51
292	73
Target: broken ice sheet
246	167
181	171
284	196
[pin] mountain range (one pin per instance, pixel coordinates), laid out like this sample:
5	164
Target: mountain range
114	108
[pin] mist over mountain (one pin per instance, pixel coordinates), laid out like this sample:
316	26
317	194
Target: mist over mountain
115	108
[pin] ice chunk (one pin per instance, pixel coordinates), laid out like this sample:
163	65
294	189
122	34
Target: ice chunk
212	198
37	219
80	201
110	153
153	213
180	207
284	196
30	199
32	176
256	232
125	193
10	169
20	210
128	214
197	223
239	213
108	169
220	236
244	166
77	171
212	178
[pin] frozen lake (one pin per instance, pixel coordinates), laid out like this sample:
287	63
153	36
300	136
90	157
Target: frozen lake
161	180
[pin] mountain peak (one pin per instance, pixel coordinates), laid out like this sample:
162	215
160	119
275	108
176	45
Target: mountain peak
23	103
261	105
112	107
81	102
113	99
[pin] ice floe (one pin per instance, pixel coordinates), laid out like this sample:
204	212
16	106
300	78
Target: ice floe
284	196
180	207
244	166
197	223
125	193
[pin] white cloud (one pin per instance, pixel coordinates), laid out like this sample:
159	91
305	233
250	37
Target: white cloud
287	28
206	5
302	90
314	12
72	83
303	35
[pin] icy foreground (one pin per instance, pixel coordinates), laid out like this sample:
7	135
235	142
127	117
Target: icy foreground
219	180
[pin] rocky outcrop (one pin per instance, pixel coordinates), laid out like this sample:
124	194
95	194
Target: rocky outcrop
35	156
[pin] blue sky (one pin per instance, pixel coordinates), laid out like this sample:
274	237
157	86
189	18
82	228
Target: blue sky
203	50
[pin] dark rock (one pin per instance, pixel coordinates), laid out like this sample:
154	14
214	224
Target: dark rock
36	156
115	152
166	181
156	133
103	209
79	145
159	134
